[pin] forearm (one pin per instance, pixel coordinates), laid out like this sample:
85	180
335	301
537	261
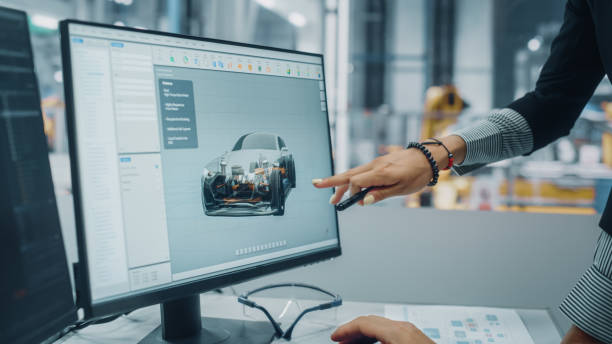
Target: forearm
503	134
589	304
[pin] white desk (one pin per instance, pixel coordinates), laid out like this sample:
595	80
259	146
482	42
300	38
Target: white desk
134	327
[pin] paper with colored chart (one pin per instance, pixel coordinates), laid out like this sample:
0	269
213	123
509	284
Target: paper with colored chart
463	325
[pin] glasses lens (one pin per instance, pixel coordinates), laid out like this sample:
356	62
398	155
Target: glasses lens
282	310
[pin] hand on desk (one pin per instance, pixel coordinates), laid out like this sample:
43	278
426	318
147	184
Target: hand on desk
577	336
370	329
400	172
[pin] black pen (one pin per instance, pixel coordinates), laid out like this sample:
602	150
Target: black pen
354	199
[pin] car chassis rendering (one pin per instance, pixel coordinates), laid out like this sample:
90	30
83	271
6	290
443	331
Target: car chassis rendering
255	178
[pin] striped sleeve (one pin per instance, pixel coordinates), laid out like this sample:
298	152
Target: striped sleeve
589	303
503	134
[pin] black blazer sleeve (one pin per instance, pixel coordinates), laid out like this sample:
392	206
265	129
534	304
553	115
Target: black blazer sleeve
567	81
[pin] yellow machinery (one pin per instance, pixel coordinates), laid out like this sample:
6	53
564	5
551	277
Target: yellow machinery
606	139
443	104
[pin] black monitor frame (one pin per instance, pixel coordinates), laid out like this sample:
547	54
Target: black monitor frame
50	327
131	302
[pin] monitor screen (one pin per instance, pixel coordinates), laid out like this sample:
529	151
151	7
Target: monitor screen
194	157
35	293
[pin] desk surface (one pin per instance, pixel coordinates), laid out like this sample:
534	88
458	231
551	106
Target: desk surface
132	328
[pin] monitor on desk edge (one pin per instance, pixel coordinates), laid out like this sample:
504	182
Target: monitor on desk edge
192	162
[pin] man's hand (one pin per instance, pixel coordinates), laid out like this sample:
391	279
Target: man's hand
371	329
401	172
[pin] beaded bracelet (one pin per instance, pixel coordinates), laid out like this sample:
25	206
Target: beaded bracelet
451	157
434	166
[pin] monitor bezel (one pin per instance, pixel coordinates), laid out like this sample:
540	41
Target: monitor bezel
127	303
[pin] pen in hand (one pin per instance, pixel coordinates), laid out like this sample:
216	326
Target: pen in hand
354	199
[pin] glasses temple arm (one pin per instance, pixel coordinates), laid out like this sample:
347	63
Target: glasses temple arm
289	330
277	329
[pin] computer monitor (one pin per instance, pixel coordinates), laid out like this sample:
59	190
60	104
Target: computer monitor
36	299
192	162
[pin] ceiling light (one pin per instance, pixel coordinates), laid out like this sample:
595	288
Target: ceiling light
58	76
534	44
297	19
44	22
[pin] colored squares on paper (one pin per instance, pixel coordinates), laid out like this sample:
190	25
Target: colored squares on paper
432	333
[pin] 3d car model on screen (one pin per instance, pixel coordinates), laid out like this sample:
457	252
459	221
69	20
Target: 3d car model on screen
254	178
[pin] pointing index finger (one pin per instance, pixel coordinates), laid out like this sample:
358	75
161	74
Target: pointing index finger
337	180
340	179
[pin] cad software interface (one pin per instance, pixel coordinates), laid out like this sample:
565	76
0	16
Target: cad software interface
195	158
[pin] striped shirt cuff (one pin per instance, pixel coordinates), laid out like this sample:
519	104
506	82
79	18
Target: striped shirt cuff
503	134
589	303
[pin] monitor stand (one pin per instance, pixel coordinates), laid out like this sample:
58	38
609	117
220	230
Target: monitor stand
181	322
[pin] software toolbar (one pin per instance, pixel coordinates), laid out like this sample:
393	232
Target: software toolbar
235	63
179	52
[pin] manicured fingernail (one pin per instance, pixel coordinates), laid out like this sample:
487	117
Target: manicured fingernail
331	199
317	181
369	199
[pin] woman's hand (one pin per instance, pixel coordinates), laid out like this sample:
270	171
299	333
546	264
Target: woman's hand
370	329
398	173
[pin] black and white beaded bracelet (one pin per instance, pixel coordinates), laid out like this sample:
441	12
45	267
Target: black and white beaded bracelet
432	162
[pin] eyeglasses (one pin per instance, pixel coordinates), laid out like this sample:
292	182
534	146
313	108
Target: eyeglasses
244	299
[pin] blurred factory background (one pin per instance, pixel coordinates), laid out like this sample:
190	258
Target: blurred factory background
396	71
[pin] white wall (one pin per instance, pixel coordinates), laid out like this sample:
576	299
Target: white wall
474	53
405	74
